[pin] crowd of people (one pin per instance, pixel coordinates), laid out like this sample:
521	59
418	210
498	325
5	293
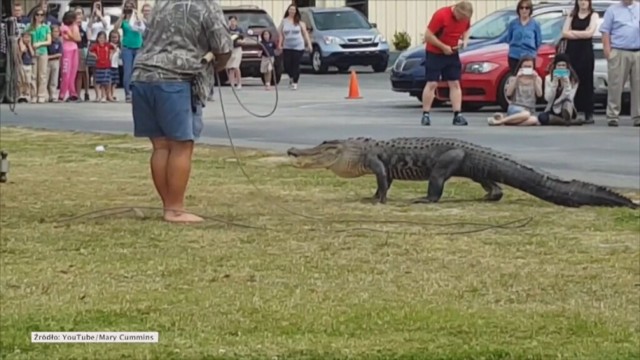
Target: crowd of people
60	58
569	84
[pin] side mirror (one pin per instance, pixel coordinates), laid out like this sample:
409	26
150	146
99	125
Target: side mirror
374	25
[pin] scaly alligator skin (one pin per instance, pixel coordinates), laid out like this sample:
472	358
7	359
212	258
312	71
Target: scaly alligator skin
436	160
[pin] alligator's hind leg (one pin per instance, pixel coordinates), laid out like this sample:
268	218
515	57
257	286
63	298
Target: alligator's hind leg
494	192
447	165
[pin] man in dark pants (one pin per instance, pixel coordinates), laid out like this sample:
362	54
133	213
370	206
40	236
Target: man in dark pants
447	27
169	88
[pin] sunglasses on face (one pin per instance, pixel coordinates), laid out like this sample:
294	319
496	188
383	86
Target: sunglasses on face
525	8
39	14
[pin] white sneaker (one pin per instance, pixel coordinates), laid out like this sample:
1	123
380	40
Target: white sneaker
294	87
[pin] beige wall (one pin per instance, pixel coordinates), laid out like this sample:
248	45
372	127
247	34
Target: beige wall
413	16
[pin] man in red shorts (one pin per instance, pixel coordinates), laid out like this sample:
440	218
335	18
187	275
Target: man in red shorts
447	27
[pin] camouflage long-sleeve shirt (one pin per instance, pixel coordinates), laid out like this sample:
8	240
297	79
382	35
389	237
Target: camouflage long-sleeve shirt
179	34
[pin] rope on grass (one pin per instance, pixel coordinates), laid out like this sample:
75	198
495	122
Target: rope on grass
520	223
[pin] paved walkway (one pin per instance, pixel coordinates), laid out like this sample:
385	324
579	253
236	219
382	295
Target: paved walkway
318	111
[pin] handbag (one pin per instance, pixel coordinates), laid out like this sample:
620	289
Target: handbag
561	48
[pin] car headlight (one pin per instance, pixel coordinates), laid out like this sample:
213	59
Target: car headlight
332	40
480	67
380	39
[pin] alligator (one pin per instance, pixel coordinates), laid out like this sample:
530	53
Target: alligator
436	160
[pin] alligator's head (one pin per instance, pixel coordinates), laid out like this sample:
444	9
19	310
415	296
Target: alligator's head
322	156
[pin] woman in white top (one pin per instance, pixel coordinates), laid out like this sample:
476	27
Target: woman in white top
293	38
97	23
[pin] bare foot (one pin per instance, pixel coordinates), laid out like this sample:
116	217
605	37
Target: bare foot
181	217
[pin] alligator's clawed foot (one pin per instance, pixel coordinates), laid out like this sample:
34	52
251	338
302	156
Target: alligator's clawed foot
493	196
423	200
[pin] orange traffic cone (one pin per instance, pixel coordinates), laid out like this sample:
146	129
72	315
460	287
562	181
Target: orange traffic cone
354	88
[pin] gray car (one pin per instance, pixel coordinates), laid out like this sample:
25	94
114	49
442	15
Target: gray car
343	37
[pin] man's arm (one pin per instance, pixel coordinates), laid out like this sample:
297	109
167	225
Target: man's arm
605	29
465	38
435	24
217	34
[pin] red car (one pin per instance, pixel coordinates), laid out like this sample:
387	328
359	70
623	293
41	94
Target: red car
484	75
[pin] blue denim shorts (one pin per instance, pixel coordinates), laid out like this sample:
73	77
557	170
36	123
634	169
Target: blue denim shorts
165	109
514	109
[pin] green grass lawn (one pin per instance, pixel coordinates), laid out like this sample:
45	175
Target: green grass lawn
566	286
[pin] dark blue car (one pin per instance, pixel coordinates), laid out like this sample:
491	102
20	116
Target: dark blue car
407	73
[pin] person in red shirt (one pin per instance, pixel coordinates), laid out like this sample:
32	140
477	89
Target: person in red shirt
448	26
103	51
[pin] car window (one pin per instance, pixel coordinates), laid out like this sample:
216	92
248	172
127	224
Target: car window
253	19
335	20
551	29
492	25
547	17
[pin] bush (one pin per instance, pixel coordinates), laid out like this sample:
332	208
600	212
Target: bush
401	40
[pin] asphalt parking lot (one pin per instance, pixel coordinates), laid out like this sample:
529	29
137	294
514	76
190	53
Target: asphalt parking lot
318	111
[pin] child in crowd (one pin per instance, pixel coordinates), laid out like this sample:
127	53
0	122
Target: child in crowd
561	85
268	56
70	56
103	51
26	80
55	53
523	90
114	39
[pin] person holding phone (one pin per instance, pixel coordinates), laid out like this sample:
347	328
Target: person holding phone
97	23
132	30
523	91
561	85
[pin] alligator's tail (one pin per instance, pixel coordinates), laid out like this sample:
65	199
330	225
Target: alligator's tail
570	193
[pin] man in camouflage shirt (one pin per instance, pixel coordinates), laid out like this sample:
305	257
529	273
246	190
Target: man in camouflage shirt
169	86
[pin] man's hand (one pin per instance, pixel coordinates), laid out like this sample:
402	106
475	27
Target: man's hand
221	61
446	49
607	52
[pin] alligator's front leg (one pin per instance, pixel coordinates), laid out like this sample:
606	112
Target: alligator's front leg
389	181
447	165
378	168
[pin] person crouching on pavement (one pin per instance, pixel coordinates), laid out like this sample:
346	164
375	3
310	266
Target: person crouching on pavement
522	92
560	87
169	87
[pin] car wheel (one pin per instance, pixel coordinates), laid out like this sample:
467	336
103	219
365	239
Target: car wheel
380	67
319	67
502	89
